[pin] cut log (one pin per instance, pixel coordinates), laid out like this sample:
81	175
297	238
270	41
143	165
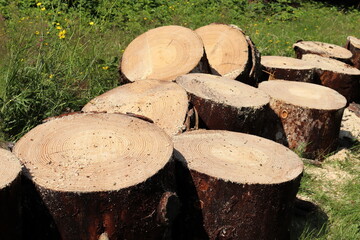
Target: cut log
102	175
163	53
287	68
225	104
236	186
336	75
165	103
323	49
306	118
230	52
10	196
353	45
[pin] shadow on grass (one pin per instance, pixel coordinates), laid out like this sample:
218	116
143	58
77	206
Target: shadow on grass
308	221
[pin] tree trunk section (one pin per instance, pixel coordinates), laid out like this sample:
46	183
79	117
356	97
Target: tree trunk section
286	68
163	53
306	117
236	186
224	104
339	76
230	52
353	45
322	49
102	176
10	196
163	102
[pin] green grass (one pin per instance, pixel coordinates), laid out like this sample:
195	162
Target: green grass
45	71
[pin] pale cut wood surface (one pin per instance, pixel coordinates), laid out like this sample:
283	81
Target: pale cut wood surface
93	152
10	167
162	53
163	102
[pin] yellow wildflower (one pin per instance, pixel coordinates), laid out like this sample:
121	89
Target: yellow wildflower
59	27
51	76
38	4
58	24
43	9
91	23
62	34
270	40
37	32
145	18
105	68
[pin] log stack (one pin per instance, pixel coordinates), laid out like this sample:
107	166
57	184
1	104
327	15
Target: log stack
10	196
306	117
230	52
102	176
235	185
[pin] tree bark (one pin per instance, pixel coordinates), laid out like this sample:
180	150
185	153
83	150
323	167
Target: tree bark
334	74
322	49
236	186
230	52
353	45
163	102
224	104
10	196
163	53
286	68
306	117
102	176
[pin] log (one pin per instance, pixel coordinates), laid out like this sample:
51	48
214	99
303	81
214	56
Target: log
322	49
287	68
235	185
225	104
163	102
10	196
230	52
102	175
306	116
163	53
336	75
353	45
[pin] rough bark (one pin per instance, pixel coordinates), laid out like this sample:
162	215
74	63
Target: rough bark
217	206
334	74
99	175
163	53
10	196
310	129
163	102
230	52
353	45
322	49
286	68
224	104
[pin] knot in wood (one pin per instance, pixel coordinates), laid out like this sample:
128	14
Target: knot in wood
168	208
225	232
284	114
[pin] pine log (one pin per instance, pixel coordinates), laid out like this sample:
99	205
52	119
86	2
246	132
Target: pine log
336	75
235	185
322	49
353	45
165	103
230	52
287	68
102	175
306	117
10	196
225	104
163	53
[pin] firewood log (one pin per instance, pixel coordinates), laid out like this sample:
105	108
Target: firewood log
235	185
307	116
102	175
353	45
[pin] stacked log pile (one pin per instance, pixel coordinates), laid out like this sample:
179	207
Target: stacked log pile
112	172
